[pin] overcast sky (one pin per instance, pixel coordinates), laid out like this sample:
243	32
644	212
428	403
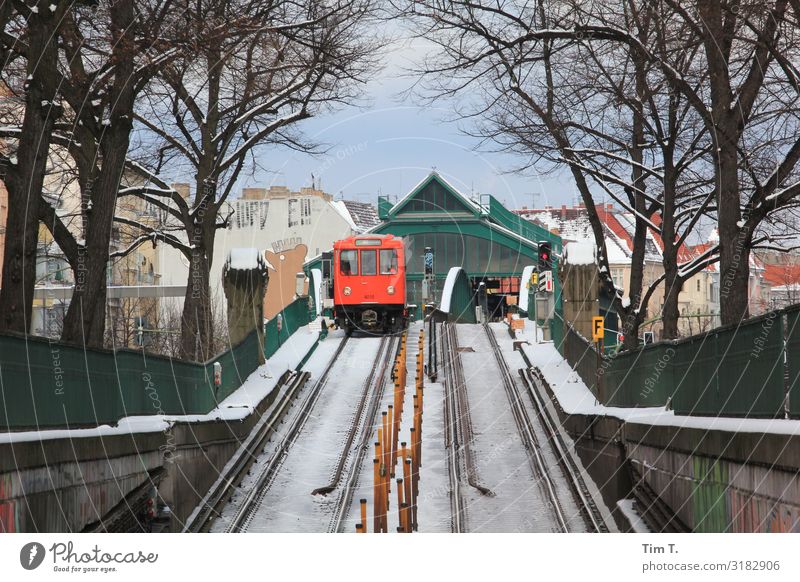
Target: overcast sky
389	145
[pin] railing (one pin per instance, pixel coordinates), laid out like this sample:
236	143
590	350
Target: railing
46	384
747	370
294	316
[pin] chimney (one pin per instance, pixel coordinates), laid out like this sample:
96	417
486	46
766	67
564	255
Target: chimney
563	212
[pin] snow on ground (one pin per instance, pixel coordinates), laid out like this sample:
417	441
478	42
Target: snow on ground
520	503
576	398
633	517
287	505
237	406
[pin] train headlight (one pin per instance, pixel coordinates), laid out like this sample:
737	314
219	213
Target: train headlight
390	289
347	290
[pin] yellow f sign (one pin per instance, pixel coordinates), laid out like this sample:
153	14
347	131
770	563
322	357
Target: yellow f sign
597	327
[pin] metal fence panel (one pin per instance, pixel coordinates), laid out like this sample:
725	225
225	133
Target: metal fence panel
294	316
642	377
695	363
751	368
793	359
48	384
734	371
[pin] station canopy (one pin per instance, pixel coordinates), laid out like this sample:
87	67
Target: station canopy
482	236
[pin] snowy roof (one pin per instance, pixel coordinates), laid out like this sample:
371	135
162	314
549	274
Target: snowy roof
244	259
572	224
363	215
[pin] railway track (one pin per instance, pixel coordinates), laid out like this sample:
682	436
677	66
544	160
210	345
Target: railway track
527	432
451	433
594	517
248	456
245	458
363	421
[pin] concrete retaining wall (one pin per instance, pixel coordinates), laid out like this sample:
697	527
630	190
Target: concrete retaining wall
712	480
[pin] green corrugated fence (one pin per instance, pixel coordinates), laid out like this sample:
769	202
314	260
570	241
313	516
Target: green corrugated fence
793	359
48	384
643	377
734	371
294	316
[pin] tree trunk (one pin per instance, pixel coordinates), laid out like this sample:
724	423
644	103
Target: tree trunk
734	243
25	179
197	321
671	312
734	254
86	318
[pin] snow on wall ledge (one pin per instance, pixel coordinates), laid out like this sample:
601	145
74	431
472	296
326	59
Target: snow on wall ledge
579	253
244	259
447	291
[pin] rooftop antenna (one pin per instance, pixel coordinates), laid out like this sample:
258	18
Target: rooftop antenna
534	196
312	182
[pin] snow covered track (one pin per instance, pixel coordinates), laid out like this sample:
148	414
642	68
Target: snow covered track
526	431
366	419
516	481
574	472
309	466
452	365
255	494
243	460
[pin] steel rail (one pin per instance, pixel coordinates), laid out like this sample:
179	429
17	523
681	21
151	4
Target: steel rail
355	425
236	469
525	428
457	508
256	492
464	415
569	464
374	385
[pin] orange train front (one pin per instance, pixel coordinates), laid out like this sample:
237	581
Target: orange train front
369	283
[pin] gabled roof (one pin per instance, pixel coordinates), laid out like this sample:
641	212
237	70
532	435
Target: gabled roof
361	215
781	275
573	225
422	190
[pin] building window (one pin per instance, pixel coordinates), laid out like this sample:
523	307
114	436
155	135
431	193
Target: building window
616	276
293	219
305	211
698	285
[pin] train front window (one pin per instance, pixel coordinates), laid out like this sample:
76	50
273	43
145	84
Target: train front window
388	262
369	262
348	262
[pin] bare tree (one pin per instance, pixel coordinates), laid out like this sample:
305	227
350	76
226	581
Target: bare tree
252	71
562	98
654	59
29	37
100	56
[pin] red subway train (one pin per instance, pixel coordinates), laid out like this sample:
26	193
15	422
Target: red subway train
369	283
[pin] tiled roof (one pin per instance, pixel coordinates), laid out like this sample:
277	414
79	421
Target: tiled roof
782	274
363	214
573	225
